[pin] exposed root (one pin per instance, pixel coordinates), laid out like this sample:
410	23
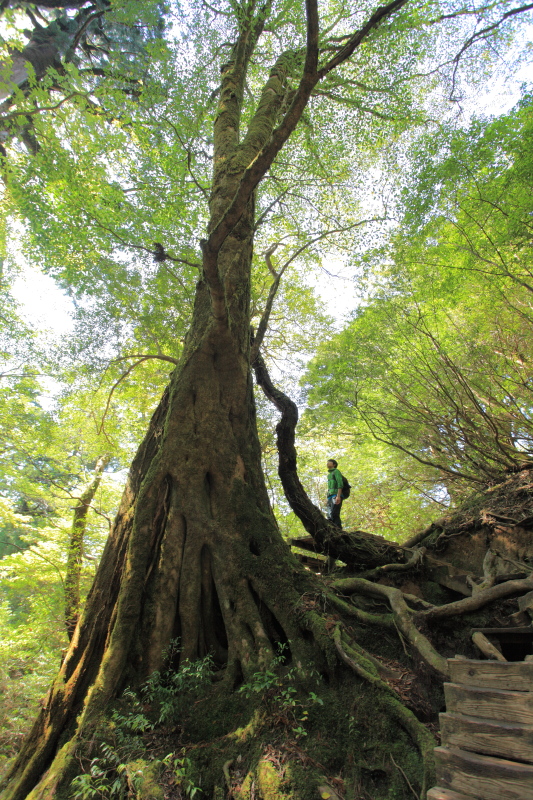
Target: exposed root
490	569
402	617
416	730
401	771
482	598
384	620
416	558
405	618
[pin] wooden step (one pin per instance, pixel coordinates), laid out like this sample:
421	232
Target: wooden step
510	740
494	704
316	564
484	777
447	575
438	793
514	675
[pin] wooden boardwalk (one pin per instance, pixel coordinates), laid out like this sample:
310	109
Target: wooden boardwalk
487	732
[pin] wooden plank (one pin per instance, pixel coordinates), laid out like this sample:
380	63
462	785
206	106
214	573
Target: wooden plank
483	776
515	675
439	793
305	543
489	703
507	740
486	647
447	575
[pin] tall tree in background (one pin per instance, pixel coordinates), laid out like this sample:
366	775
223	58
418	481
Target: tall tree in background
195	551
437	365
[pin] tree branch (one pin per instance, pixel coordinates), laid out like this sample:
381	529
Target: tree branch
262	162
356	547
122	377
145	357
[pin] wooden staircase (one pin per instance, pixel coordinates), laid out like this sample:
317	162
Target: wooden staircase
487	732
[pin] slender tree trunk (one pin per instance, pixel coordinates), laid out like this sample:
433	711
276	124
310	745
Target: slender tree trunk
356	548
75	547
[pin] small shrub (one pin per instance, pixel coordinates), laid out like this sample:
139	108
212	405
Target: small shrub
181	768
168	691
277	692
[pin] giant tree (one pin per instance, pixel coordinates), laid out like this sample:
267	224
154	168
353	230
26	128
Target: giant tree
195	551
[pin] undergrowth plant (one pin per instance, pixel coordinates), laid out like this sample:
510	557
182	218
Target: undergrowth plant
119	769
167	691
280	696
182	769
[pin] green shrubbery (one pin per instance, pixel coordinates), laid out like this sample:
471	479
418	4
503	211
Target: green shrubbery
124	766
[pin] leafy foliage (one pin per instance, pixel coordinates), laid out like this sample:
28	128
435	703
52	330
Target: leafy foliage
171	690
437	364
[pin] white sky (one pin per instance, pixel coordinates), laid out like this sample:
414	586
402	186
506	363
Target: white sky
42	304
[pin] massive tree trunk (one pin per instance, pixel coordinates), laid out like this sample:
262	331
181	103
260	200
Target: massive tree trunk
195	550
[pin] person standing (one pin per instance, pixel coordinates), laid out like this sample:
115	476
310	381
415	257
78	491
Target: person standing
335	484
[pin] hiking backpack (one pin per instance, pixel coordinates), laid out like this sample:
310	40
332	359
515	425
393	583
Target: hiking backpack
346	488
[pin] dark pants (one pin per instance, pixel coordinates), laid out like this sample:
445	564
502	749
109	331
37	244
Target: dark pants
334	511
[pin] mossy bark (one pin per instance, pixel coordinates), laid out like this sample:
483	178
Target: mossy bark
75	547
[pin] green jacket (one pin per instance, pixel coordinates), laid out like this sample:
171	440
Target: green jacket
334	481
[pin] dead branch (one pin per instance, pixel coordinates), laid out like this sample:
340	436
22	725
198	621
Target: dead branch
486	647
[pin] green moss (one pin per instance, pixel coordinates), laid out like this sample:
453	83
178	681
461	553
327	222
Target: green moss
436	594
56	783
380	746
245	791
269	781
344	728
244	733
144	776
